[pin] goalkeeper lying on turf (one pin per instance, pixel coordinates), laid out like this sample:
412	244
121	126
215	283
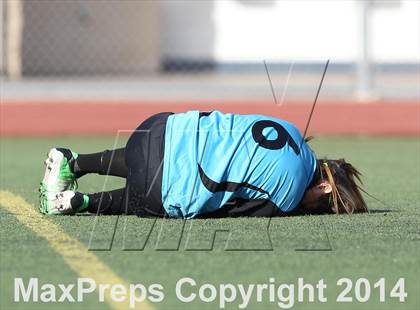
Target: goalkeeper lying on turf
205	164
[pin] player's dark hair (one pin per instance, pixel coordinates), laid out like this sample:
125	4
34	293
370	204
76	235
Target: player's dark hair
346	182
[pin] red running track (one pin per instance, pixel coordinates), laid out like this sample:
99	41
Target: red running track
107	117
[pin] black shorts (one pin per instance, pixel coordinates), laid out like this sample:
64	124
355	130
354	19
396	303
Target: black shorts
144	155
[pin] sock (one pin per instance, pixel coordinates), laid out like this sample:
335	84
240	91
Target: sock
87	163
104	163
79	202
111	202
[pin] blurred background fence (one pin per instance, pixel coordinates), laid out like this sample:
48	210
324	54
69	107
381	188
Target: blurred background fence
216	47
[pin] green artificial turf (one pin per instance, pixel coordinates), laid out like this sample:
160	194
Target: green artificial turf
384	243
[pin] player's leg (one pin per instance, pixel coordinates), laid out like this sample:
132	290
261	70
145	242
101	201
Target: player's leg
70	202
104	163
144	158
65	166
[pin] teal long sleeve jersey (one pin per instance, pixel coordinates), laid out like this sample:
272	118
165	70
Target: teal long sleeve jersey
211	158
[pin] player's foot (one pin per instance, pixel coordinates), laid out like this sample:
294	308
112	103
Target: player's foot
58	175
64	203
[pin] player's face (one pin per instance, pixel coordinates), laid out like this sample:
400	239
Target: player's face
313	196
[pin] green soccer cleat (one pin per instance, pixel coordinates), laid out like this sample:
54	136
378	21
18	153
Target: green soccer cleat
63	203
58	175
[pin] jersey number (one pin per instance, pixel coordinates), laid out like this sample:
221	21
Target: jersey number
283	137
